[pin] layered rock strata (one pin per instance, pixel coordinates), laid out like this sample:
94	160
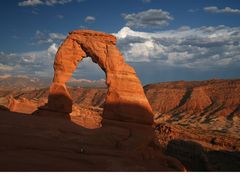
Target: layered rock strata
125	99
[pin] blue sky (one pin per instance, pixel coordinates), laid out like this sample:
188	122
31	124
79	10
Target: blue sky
163	40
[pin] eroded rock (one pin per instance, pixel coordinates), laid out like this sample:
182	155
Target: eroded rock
125	100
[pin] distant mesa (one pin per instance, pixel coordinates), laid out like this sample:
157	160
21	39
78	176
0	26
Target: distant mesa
125	99
26	83
101	83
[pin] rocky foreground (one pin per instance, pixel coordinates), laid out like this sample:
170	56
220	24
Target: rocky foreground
196	122
33	143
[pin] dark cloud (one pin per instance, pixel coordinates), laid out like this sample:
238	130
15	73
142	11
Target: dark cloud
152	18
156	72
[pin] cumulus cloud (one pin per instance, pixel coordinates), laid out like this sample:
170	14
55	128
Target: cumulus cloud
90	19
30	63
40	63
199	48
152	18
43	38
57	36
184	53
52	50
30	3
227	10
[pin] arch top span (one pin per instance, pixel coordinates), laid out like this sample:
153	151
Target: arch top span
125	100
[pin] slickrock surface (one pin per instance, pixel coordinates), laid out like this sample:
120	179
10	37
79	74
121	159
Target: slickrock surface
201	136
125	99
33	143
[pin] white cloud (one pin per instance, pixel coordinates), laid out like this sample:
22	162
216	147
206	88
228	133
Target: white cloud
52	50
30	3
83	27
43	38
29	63
215	9
53	2
40	63
57	36
199	48
152	18
44	2
184	49
90	19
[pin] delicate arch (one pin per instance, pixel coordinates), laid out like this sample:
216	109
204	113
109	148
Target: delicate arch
125	100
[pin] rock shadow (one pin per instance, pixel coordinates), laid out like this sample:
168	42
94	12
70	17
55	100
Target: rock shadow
195	158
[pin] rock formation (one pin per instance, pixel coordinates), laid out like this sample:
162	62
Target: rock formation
35	143
210	98
125	100
197	122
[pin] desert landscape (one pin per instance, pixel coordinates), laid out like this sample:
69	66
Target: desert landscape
113	86
187	133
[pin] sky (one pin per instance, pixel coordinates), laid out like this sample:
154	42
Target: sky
164	40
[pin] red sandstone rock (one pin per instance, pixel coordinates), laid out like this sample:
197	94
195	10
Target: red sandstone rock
59	98
200	131
22	105
201	98
33	143
125	100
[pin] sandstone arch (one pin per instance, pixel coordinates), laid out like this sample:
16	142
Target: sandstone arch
125	99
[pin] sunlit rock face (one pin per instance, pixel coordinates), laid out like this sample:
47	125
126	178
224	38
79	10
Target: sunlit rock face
125	100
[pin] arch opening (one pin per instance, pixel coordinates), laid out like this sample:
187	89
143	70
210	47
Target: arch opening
88	71
88	90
